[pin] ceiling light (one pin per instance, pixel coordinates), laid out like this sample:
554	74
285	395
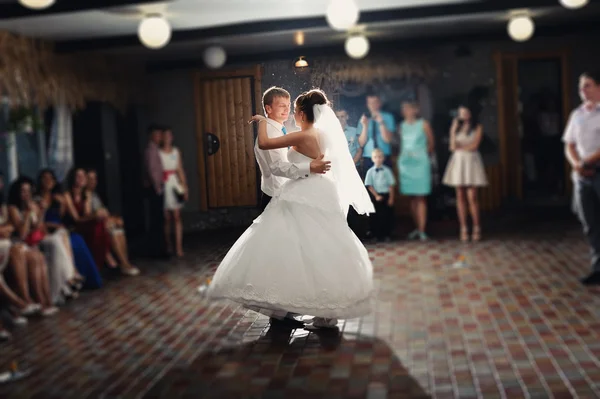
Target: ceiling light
299	38
342	14
357	46
36	4
301	63
573	4
215	57
154	31
521	28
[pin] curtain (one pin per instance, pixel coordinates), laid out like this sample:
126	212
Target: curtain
60	150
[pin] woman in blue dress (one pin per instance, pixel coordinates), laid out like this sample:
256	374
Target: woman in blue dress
53	203
414	165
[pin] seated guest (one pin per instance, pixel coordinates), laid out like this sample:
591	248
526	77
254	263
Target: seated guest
6	250
52	201
11	253
30	276
25	215
380	181
79	215
114	225
27	266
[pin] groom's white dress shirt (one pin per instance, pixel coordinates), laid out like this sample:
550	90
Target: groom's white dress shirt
274	165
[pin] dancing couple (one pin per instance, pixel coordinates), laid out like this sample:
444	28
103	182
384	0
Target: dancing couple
300	257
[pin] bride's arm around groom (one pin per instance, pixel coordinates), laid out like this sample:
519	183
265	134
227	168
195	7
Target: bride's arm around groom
277	160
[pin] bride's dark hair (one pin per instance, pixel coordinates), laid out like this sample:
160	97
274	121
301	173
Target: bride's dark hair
307	100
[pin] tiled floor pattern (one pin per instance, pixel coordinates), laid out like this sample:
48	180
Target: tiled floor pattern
511	321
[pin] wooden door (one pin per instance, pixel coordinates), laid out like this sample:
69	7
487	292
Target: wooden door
509	122
227	169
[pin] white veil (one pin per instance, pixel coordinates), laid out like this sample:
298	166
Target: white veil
350	187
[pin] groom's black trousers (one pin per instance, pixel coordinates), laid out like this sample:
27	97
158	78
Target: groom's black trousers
264	201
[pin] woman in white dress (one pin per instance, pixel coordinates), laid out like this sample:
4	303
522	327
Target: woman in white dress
175	189
300	256
465	171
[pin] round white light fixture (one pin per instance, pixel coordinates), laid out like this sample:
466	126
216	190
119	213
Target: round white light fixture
342	14
573	4
357	46
215	57
301	63
37	4
521	28
154	31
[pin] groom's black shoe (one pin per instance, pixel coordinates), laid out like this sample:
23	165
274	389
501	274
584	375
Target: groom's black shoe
286	322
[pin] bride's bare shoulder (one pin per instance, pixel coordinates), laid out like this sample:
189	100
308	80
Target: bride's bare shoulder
313	131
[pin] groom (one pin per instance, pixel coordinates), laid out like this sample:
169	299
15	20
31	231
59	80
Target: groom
276	169
274	165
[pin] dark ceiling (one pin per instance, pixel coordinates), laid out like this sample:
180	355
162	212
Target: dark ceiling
400	27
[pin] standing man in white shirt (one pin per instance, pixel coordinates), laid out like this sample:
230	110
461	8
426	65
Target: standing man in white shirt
582	149
274	166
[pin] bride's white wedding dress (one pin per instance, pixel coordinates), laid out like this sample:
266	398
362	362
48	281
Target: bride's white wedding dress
299	256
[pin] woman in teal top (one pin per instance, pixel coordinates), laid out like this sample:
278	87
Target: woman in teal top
414	167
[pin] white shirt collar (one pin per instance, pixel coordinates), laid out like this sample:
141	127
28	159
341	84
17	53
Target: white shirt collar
274	123
595	108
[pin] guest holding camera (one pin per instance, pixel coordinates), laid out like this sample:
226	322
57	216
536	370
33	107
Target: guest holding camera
465	171
376	131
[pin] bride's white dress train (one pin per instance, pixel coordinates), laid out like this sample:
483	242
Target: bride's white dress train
299	256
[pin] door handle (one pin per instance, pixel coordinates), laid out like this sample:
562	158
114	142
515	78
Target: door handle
212	143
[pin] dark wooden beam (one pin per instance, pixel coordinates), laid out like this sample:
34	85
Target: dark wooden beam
383	46
15	10
396	14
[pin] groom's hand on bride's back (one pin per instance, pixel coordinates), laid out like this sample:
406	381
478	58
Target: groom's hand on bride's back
319	166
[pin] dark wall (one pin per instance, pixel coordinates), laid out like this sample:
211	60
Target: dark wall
88	144
130	171
107	140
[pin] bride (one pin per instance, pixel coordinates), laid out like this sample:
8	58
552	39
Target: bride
300	256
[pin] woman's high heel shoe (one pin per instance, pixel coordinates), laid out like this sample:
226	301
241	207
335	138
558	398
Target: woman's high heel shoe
77	283
476	234
130	270
464	234
31	309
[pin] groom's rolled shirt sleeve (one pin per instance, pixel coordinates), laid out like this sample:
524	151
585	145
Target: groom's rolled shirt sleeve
283	168
278	162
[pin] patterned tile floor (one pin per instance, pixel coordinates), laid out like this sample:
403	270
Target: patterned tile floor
511	322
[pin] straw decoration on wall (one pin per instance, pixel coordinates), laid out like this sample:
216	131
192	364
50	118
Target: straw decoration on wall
32	74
